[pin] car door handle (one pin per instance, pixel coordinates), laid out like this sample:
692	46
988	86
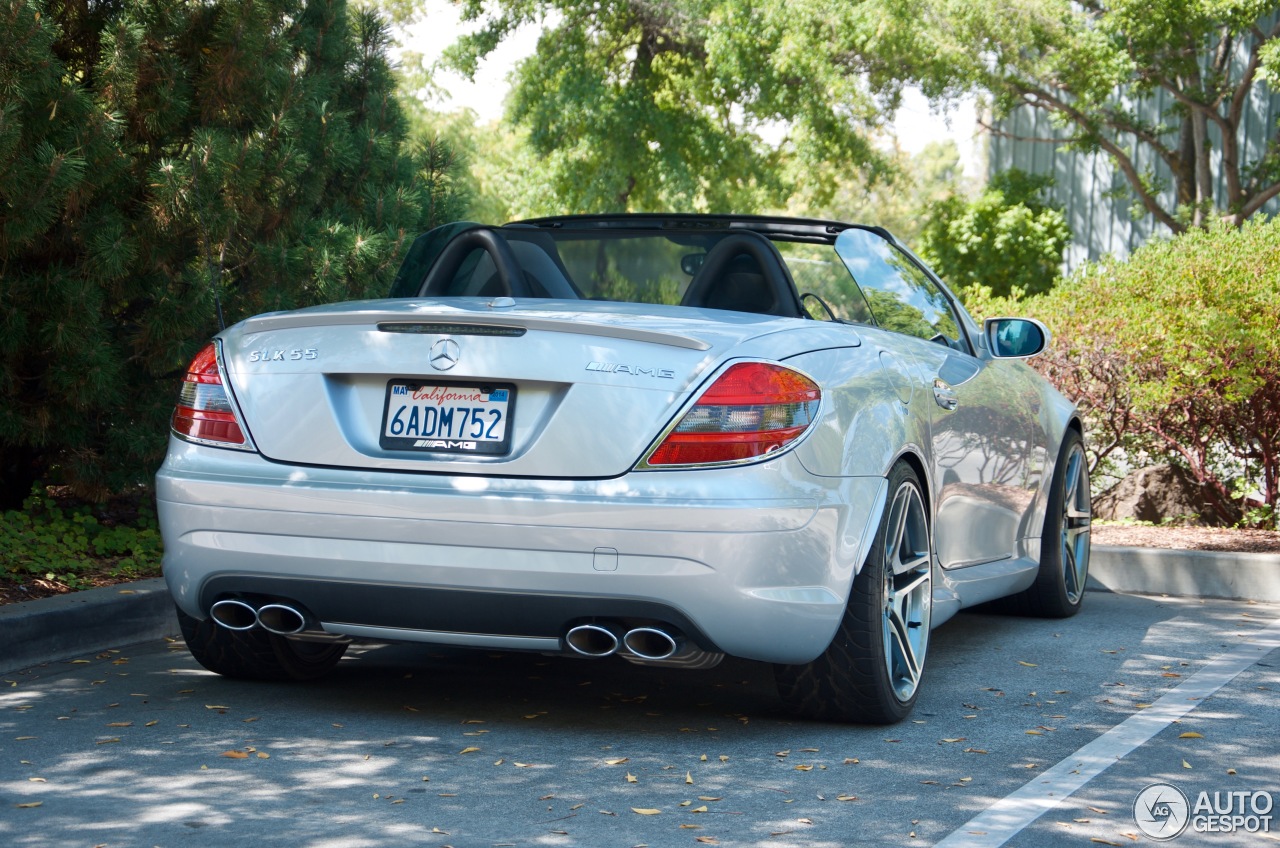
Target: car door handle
945	395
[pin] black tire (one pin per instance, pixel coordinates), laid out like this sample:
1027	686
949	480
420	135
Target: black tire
1064	545
871	671
257	654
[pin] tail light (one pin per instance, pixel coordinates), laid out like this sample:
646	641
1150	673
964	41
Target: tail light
204	412
752	410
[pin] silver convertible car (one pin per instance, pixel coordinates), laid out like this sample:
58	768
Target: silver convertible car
668	438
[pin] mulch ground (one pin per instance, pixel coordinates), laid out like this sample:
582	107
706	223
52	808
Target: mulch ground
1189	538
32	588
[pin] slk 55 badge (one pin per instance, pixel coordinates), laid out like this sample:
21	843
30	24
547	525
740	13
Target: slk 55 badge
295	355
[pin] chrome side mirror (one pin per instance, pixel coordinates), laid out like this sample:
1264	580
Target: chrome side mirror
1015	338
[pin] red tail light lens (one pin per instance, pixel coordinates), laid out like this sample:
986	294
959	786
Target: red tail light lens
753	409
204	413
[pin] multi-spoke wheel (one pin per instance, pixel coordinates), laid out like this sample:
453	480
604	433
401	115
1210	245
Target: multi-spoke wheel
871	671
1064	544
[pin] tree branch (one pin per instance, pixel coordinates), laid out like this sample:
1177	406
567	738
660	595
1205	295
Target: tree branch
1045	100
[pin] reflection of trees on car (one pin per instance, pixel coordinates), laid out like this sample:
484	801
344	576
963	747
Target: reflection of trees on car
892	313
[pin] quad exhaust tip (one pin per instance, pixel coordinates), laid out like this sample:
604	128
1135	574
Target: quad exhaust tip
281	619
651	643
592	640
602	640
234	615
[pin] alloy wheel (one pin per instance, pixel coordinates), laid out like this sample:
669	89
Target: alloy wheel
1076	519
908	591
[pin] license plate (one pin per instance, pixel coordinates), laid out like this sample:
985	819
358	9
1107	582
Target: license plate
473	418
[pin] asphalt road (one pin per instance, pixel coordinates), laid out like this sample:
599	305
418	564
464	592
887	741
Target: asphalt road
419	746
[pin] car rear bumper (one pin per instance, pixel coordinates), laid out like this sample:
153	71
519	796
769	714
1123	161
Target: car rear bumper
753	562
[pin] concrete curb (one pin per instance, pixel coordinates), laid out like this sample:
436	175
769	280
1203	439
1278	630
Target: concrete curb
1193	574
51	629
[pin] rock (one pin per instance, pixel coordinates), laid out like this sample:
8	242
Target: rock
1160	494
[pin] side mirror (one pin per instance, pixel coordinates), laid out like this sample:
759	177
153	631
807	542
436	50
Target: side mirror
1015	338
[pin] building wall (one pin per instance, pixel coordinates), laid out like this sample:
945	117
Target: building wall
1095	195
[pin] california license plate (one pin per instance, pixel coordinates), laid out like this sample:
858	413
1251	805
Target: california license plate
471	418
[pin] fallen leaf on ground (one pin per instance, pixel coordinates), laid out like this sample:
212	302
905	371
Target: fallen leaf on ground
619	761
1027	664
263	755
1186	765
691	827
215	707
709	798
470	750
234	755
688	777
846	797
117	739
1190	735
29	805
120	724
645	811
631	778
701	809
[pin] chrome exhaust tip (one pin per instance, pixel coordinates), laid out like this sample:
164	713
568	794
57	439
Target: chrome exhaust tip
281	619
651	643
592	640
234	615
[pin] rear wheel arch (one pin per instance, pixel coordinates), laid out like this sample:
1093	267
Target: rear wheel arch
872	669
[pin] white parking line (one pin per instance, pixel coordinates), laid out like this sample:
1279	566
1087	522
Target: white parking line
1007	817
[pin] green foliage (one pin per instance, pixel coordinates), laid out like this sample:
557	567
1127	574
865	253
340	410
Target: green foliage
895	199
1085	64
1007	239
46	539
668	104
1175	354
156	157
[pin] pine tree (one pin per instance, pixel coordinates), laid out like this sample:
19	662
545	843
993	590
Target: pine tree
161	161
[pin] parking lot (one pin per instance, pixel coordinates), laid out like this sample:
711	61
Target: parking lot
412	745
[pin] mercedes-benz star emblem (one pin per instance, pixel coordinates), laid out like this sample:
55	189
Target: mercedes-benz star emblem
445	354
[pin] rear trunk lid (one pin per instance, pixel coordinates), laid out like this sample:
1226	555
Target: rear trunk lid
563	389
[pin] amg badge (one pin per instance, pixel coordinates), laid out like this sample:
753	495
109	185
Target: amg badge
634	370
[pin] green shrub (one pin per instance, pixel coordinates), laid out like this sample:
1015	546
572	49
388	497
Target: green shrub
1175	353
154	155
67	542
1010	238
